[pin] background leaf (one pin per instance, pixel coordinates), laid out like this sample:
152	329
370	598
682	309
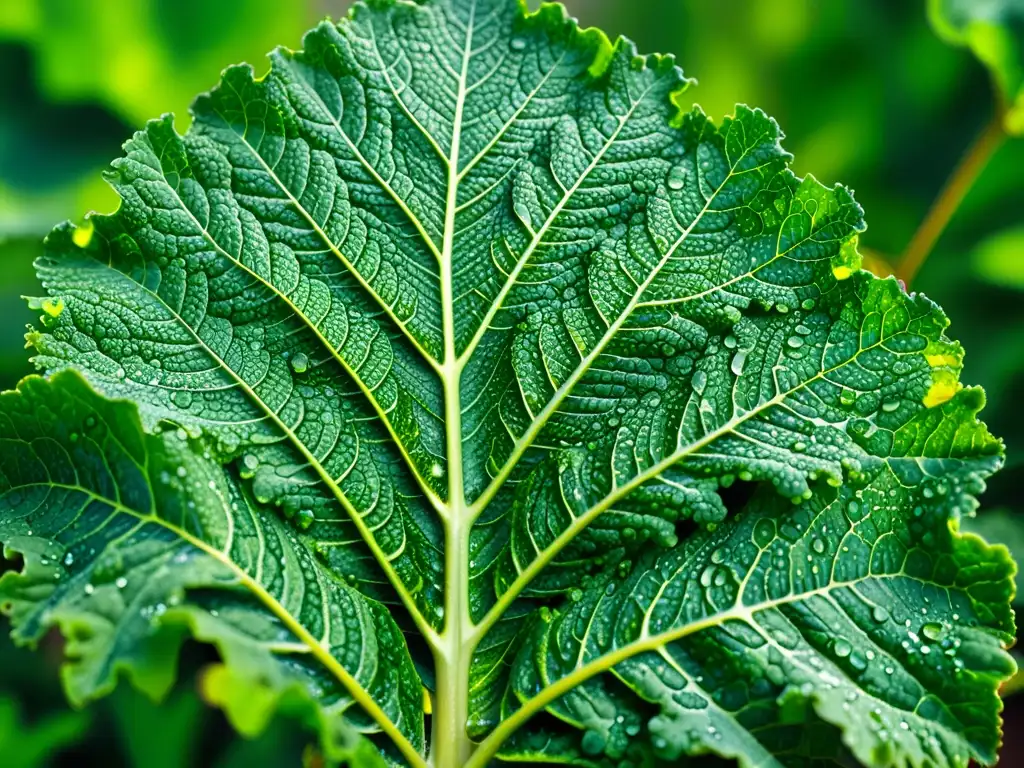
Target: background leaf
994	32
35	745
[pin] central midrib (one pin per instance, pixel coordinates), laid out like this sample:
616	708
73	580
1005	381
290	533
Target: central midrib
449	742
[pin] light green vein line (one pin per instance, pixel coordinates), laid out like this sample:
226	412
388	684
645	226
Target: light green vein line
401	102
335	353
489	747
403	206
546	555
511	121
538	236
364	531
318	651
341	257
538	423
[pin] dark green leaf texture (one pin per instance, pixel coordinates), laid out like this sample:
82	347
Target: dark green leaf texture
453	337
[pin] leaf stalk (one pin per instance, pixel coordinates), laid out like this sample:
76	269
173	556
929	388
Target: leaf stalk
952	195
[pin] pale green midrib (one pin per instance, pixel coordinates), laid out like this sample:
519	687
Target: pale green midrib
309	642
539	422
428	492
367	535
545	556
737	612
523	260
349	266
449	740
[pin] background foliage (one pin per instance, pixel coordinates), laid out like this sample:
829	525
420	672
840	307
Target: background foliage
867	92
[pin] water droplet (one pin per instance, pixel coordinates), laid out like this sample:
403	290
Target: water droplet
121	582
523	212
795	342
69	558
738	361
707	575
304	519
699	382
517	44
676	177
300	362
818	545
890	405
182	398
933	631
879	614
842	648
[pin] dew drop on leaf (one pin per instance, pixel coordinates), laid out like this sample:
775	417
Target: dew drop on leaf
738	361
676	177
182	398
300	362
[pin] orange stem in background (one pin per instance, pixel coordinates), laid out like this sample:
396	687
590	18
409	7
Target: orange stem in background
942	210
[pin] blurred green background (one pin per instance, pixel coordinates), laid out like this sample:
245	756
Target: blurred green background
865	90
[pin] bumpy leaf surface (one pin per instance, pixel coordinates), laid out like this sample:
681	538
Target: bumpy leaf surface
471	379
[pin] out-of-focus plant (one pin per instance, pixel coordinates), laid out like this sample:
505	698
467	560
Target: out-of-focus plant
33	745
156	54
65	109
994	31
